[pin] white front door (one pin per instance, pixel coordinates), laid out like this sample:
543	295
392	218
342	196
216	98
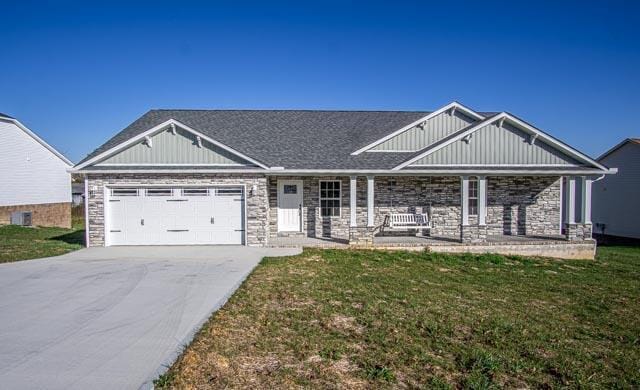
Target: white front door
289	205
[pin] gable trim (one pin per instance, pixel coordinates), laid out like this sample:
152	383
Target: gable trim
451	106
514	121
159	128
38	139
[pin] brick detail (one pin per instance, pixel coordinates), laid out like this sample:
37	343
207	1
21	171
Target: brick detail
45	214
578	231
256	204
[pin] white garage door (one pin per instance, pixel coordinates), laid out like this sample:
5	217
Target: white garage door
175	216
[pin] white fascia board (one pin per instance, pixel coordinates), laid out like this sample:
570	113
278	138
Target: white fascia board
411	125
514	121
379	172
159	128
38	139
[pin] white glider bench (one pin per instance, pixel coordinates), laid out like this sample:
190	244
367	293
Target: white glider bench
409	221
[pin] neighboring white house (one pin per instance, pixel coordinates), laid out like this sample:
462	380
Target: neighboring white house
615	197
34	177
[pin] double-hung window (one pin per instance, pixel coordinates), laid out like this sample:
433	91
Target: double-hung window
330	195
473	196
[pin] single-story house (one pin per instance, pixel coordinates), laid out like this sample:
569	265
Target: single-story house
36	184
252	177
615	198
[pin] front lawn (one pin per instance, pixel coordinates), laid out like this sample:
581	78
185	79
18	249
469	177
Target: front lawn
22	243
365	319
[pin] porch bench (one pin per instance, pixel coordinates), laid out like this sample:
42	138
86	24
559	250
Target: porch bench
408	221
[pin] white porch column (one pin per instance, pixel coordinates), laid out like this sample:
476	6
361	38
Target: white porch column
370	216
464	196
571	200
482	200
586	200
352	201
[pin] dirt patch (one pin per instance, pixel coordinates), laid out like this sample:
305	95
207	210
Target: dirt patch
345	324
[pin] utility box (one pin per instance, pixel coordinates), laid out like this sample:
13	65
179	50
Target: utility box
22	218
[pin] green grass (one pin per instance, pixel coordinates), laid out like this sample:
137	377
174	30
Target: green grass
366	319
22	243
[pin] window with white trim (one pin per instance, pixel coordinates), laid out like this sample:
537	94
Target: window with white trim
473	196
330	196
124	192
159	192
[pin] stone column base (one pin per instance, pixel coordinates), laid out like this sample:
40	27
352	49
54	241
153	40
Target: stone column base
578	231
361	235
473	233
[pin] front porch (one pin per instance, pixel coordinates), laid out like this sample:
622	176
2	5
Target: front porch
546	246
356	210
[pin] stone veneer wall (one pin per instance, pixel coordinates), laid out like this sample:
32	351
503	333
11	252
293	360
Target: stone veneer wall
520	205
515	205
256	204
44	214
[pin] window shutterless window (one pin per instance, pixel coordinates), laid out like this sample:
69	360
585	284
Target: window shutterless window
124	192
330	195
195	192
473	196
159	192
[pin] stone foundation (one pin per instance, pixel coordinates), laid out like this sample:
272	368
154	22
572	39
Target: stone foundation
578	231
361	236
473	233
46	214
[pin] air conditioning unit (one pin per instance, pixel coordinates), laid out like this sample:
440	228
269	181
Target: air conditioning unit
22	218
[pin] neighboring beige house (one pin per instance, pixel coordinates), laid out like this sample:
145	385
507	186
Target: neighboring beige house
35	182
616	198
257	177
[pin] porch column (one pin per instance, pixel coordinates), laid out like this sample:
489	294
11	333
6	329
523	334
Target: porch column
482	200
571	200
586	200
352	201
464	197
370	216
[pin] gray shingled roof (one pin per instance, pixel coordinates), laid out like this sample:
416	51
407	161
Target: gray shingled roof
294	139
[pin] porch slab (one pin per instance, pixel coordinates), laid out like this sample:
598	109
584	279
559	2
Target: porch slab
543	246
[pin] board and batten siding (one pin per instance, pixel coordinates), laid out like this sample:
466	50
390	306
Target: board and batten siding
181	148
29	172
436	128
492	145
615	197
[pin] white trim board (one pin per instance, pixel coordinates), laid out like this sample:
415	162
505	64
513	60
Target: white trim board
513	121
364	172
450	106
159	128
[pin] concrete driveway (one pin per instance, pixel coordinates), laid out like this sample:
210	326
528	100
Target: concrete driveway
111	318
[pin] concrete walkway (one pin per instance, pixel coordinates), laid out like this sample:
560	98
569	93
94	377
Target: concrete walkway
111	318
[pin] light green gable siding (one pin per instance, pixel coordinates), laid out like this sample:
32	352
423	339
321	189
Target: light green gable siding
436	128
181	148
492	145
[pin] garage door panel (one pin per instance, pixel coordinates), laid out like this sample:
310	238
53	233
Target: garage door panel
153	218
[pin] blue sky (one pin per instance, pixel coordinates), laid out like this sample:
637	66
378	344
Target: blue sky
77	74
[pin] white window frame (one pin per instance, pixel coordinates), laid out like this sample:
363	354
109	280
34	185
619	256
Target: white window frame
339	198
474	182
